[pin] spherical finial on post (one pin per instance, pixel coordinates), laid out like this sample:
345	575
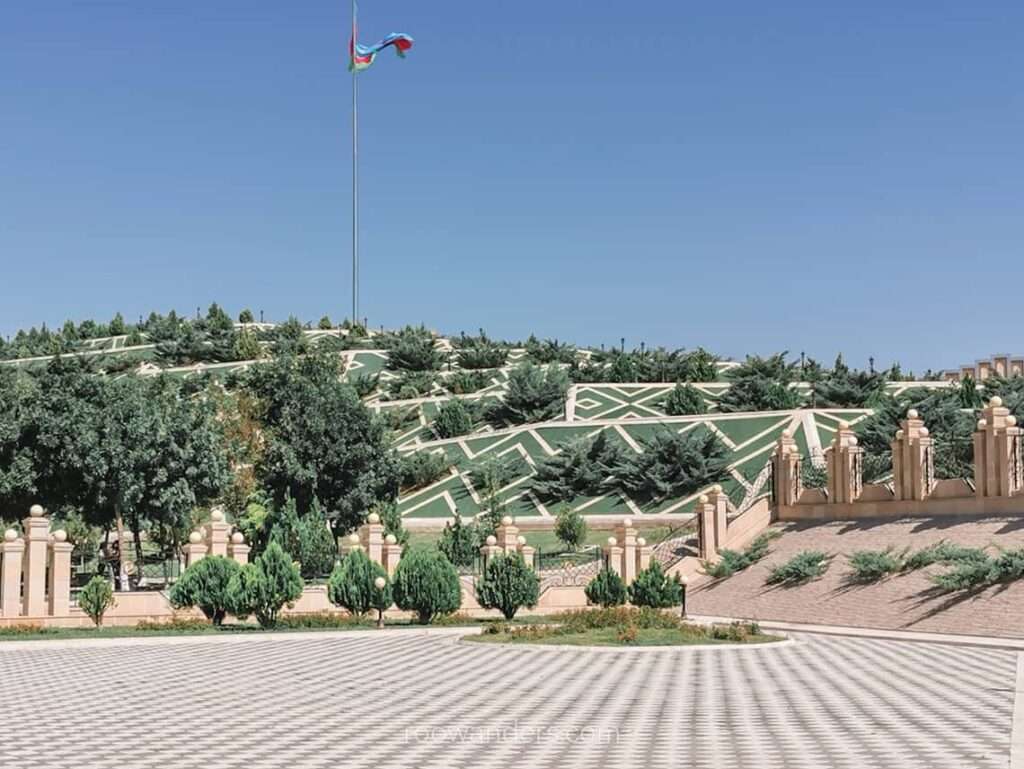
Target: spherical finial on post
924	432
1011	421
641	542
380	583
391	539
238	538
627	522
702	499
217	515
10	535
491	540
195	538
717	488
982	424
612	542
353	539
520	540
60	536
36	511
506	520
912	414
373	518
996	402
787	433
844	425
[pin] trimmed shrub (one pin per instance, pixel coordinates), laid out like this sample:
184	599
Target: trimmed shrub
654	589
318	548
422	469
464	382
352	584
606	589
570	528
945	553
507	585
460	543
801	568
205	585
426	583
96	597
873	565
453	419
265	586
684	400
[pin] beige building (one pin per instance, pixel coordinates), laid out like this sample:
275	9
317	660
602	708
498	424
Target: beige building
1001	365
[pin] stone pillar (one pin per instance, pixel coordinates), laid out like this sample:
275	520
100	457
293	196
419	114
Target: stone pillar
720	501
392	554
371	536
195	550
60	574
490	549
786	466
626	536
37	545
913	462
707	545
845	467
238	550
527	552
998	458
613	556
217	533
12	551
644	552
508	535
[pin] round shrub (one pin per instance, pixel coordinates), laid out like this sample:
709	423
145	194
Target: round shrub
205	584
606	589
570	528
453	419
265	586
352	585
96	597
684	400
426	583
653	588
507	585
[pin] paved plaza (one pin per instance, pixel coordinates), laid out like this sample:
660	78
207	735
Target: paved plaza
405	698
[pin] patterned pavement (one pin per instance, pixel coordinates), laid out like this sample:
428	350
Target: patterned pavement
407	699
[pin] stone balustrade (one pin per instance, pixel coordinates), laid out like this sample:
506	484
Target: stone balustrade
626	553
380	548
507	541
35	570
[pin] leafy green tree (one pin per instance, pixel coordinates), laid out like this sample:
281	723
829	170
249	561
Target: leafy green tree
534	394
453	419
391	518
95	598
205	584
19	461
570	528
289	338
606	589
352	587
117	326
325	323
247	346
246	316
761	384
427	584
284	527
460	542
581	467
414	350
672	465
653	588
843	388
684	400
321	441
508	584
265	586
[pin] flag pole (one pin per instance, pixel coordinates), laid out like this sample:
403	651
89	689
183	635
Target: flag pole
355	179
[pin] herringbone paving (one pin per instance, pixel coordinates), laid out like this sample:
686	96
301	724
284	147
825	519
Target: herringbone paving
406	699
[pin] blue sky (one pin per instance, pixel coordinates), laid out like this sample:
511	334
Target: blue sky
746	176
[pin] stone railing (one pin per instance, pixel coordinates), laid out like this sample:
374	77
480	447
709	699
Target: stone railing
35	570
381	548
998	486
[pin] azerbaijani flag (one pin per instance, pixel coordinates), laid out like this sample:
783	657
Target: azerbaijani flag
362	56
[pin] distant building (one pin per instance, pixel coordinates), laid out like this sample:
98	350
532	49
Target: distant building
1001	365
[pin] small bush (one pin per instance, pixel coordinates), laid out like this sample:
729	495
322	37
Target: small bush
174	624
645	618
25	628
736	632
465	382
873	565
426	583
507	585
972	571
321	620
628	634
606	589
570	528
654	589
942	552
265	586
205	585
801	568
684	400
732	561
96	597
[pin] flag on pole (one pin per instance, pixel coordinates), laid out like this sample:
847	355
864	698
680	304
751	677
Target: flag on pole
362	56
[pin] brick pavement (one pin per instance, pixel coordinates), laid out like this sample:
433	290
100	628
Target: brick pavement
405	699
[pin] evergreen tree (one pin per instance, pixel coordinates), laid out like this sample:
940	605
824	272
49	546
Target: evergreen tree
453	419
351	585
508	584
317	545
426	583
265	586
606	589
571	528
205	584
684	400
460	543
654	589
